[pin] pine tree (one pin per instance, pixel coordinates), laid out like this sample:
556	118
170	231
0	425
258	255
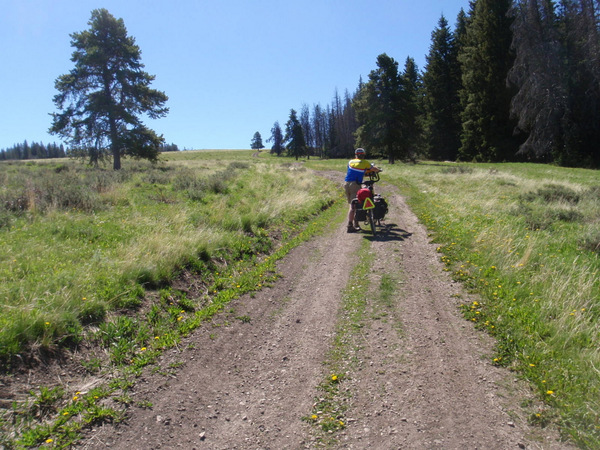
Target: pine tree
256	143
319	126
294	136
277	139
578	24
442	84
307	128
102	98
412	110
539	75
379	110
485	57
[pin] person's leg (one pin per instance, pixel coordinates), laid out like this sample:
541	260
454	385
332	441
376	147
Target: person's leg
351	215
351	189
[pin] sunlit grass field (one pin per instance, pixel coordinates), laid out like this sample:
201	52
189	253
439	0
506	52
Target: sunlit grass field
77	243
527	238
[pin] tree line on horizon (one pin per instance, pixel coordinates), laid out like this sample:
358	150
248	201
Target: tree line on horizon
40	150
513	81
33	151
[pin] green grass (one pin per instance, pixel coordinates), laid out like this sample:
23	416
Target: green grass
78	243
522	236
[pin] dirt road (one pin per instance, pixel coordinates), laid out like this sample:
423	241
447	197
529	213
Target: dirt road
421	379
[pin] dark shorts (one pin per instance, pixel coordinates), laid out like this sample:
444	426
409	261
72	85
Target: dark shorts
351	188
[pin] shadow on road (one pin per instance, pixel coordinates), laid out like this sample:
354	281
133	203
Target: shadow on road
388	232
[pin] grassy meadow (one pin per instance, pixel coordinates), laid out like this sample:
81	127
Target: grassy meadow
80	245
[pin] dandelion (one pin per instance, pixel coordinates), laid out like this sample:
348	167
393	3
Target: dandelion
334	377
75	398
531	365
48	441
179	318
550	392
143	349
314	417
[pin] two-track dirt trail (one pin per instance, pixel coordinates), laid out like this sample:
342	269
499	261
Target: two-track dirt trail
421	378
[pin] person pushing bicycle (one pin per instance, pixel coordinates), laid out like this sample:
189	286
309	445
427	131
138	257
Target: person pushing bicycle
357	168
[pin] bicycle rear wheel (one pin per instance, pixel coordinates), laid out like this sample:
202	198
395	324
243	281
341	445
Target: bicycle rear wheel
371	221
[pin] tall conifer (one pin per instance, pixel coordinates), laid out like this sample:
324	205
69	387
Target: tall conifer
485	56
102	98
442	83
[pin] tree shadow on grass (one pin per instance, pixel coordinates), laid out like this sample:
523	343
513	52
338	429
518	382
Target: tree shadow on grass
387	232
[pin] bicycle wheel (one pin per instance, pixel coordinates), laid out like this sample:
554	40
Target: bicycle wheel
371	221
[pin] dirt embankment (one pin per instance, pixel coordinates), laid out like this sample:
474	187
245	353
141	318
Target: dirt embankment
421	379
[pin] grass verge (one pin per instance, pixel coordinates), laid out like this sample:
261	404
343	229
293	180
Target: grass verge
522	237
328	412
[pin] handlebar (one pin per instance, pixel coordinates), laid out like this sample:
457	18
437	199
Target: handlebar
373	176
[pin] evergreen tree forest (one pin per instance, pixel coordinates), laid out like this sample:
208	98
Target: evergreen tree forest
48	151
512	80
33	151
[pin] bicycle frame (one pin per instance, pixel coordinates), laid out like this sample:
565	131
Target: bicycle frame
369	210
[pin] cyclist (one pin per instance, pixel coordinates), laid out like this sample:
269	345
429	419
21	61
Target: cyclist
357	168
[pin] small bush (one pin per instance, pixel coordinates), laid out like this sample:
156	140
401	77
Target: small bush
157	177
5	218
542	217
217	185
92	312
238	165
591	240
457	170
553	193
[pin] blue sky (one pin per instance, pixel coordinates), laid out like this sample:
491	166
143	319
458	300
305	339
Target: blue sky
229	67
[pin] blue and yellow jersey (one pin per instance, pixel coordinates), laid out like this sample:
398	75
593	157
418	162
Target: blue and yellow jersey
356	170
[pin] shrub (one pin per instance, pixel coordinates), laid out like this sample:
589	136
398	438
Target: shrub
553	193
238	165
541	217
457	170
591	239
